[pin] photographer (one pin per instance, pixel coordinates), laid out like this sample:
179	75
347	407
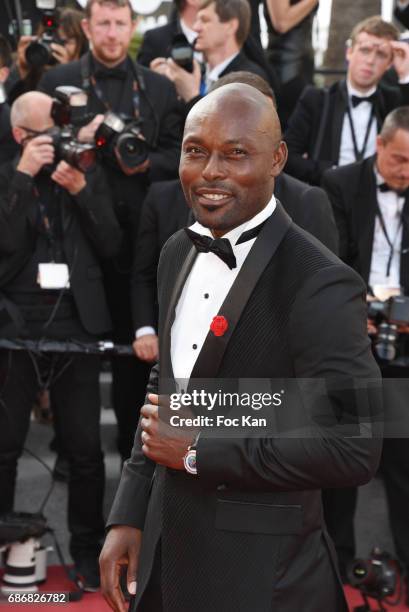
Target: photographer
60	42
370	199
147	102
338	125
222	28
62	222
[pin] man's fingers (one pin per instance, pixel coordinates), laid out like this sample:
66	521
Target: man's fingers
154	398
149	411
110	587
131	574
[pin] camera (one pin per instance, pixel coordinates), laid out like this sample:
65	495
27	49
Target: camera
181	52
38	52
117	138
26	565
67	109
375	577
387	316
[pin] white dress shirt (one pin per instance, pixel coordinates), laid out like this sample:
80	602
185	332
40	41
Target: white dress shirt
360	117
205	290
391	205
212	74
191	36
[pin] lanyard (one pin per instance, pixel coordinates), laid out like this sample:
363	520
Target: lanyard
135	96
48	228
359	154
385	233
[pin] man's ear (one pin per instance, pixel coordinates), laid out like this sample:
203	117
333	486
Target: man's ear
18	134
233	26
280	156
85	28
4	74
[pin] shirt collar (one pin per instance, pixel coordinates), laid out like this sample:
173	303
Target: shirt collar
235	233
100	66
214	73
359	94
190	34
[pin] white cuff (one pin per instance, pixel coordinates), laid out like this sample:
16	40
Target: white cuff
144	331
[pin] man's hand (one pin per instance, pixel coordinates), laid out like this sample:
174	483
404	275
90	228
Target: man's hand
37	153
401	58
68	177
136	170
167	446
87	133
121	548
160	65
22	65
146	347
60	53
187	84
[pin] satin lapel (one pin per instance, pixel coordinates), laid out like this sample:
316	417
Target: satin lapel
340	103
210	357
166	361
366	213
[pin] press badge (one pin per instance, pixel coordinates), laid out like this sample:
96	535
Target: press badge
53	276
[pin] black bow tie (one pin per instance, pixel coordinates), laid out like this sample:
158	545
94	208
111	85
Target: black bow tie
221	246
110	73
384	188
355	100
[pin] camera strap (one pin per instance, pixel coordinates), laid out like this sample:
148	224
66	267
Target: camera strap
390	242
48	226
89	83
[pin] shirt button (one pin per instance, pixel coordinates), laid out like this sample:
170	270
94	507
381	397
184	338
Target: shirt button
221	487
206	295
194	346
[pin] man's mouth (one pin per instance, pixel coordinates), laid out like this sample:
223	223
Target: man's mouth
213	196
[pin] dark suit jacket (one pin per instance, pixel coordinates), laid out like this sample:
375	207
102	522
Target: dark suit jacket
165	211
304	134
8	146
247	532
402	15
90	232
352	191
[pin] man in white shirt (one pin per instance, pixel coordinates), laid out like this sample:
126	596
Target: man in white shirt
337	126
370	199
228	523
221	27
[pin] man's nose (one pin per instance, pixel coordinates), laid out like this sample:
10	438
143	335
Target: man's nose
214	168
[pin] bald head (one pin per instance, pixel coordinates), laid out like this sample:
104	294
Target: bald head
231	153
32	110
240	100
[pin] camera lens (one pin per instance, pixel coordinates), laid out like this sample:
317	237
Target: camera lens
38	54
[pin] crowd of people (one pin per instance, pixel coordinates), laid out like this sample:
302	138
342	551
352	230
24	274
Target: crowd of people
90	146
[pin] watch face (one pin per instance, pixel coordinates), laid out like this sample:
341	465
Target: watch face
190	462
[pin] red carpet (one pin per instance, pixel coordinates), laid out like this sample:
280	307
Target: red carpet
93	602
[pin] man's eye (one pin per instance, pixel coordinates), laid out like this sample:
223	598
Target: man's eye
237	152
194	150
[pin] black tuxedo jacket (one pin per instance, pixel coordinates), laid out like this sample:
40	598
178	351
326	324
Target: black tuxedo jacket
90	233
352	191
314	132
165	211
247	532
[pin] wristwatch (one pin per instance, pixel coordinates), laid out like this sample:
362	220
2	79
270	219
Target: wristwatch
189	460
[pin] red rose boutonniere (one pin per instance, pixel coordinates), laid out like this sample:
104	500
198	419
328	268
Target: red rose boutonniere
219	325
